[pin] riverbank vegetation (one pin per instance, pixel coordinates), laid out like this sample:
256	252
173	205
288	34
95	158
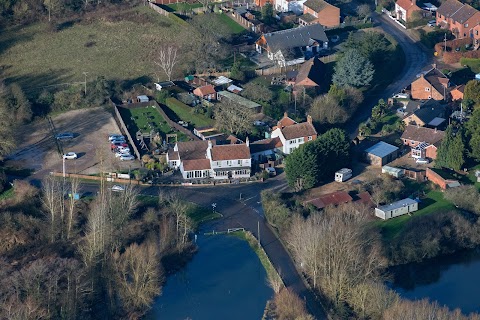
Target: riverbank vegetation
102	257
344	256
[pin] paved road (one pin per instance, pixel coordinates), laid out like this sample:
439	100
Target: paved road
416	59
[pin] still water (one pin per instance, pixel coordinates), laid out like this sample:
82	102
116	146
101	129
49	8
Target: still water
453	281
224	280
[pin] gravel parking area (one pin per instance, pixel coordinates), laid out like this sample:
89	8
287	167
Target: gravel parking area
37	149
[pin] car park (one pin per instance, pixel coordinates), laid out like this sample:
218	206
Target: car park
127	157
70	156
422	161
64	136
118	188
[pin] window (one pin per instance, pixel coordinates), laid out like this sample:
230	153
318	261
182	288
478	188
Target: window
301	140
429	97
219	163
229	162
239	162
412	142
427	89
466	25
292	141
174	163
309	138
476	32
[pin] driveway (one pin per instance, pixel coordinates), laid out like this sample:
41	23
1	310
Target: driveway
416	59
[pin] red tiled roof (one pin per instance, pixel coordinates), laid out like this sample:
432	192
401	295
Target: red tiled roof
299	130
200	164
192	150
334	198
205	90
173	155
284	122
422	134
407	4
230	152
365	198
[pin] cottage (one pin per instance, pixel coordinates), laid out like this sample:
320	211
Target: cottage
431	85
290	46
423	141
320	11
405	8
458	17
380	154
205	159
396	209
292	135
206	92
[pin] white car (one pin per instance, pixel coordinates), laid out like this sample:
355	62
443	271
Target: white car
118	140
122	153
422	161
126	157
432	23
115	137
118	188
70	156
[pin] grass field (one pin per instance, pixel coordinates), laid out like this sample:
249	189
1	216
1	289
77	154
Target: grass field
184	6
200	214
180	111
143	118
116	46
7	194
432	203
233	26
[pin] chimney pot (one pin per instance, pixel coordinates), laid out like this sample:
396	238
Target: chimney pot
309	119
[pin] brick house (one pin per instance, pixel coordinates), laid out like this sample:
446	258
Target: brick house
431	85
292	135
430	114
320	11
476	36
206	92
205	159
458	17
424	142
405	8
294	44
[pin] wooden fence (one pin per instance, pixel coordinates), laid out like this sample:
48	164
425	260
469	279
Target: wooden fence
158	9
127	133
242	21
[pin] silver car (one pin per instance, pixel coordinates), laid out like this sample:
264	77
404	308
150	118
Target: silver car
70	156
127	157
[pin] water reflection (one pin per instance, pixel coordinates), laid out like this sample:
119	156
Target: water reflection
224	280
451	280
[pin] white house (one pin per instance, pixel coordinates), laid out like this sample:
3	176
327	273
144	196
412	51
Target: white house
205	159
396	209
293	134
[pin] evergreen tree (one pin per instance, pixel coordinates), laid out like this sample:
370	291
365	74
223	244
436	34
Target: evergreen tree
302	167
353	69
267	13
473	134
21	105
472	92
451	153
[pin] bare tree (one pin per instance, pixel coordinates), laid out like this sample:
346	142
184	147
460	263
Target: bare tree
233	118
123	206
54	204
166	60
74	189
138	275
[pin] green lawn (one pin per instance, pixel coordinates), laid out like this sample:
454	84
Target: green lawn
233	26
7	194
200	214
140	118
432	203
117	45
177	110
474	64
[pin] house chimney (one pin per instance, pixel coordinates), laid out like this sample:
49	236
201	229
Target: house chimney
435	129
434	66
247	142
309	119
285	114
210	144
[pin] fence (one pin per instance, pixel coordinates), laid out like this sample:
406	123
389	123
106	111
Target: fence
158	9
242	21
280	70
127	133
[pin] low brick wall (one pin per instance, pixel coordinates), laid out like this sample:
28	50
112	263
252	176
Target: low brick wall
437	179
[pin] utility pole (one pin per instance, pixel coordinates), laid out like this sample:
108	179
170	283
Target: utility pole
63	157
445	42
85	83
258	230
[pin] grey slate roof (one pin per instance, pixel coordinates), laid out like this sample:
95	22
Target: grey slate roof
397	205
381	149
239	99
456	10
296	37
430	111
316	5
435	77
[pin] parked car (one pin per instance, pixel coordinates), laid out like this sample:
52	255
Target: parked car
64	136
118	144
432	23
70	156
123	149
122	153
422	161
271	171
127	157
114	137
118	140
118	188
